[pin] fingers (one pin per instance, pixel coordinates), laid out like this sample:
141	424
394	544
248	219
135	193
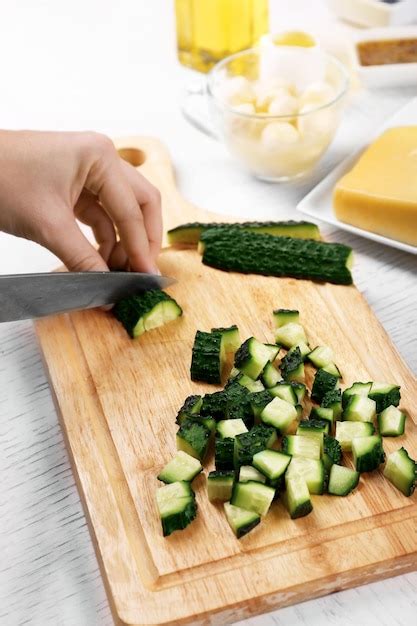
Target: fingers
107	180
149	200
91	213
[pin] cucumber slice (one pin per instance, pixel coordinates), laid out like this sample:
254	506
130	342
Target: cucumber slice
297	497
304	349
285	391
347	431
401	471
251	385
285	316
271	463
253	496
333	400
181	467
332	452
324	382
300	445
252	356
207	358
300	391
360	409
259	438
311	470
292	365
315	429
247	473
258	402
385	395
321	356
231	428
146	311
357	389
368	453
270	375
191	406
193	438
177	506
290	335
391	422
220	485
280	414
342	480
332	368
230	338
224	453
273	351
321	413
240	520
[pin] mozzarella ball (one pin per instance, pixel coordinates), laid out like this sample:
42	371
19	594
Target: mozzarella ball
236	90
317	94
317	125
283	104
277	133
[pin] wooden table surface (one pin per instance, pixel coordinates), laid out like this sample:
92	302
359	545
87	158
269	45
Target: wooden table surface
49	575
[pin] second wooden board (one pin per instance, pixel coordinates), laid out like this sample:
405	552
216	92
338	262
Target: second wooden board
118	399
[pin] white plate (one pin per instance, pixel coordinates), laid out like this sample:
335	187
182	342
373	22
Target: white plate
318	203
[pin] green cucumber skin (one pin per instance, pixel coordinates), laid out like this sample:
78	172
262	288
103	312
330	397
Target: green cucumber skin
244	530
196	434
291	362
130	310
371	460
224	453
179	521
301	510
323	383
332	451
384	400
205	362
250	253
192	405
189	234
214	405
248	444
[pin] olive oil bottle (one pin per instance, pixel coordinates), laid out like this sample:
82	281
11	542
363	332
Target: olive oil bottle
209	30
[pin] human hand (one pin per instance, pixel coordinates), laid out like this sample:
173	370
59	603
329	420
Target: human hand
50	179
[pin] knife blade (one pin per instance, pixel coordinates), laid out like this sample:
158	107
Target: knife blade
29	296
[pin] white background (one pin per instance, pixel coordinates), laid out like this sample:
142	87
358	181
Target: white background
110	66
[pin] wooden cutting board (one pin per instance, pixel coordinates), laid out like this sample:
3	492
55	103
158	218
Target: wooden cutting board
117	401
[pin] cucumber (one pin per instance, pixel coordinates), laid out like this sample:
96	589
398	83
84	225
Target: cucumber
285	316
240	520
401	471
311	470
324	382
300	445
321	356
292	365
247	473
332	452
391	422
333	400
385	395
347	431
189	234
321	413
332	368
252	356
177	506
231	428
258	402
314	428
357	389
214	405
273	351
192	406
181	467
253	496
224	453
304	349
250	253
271	463
360	409
146	311
300	390
368	453
220	485
297	497
280	414
251	385
290	335
270	375
193	438
246	445
230	337
209	422
285	391
342	480
206	362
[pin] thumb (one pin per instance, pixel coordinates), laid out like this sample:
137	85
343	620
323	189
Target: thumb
74	249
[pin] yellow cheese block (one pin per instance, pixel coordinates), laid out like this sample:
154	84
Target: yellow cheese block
380	193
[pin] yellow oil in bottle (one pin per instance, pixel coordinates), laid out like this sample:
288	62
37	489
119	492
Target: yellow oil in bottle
209	30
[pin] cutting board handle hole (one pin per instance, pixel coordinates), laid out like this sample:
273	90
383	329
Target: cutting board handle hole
134	156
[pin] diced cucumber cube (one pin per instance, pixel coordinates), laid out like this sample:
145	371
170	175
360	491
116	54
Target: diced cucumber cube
342	480
240	520
220	485
181	467
280	414
253	496
360	409
391	422
347	431
401	471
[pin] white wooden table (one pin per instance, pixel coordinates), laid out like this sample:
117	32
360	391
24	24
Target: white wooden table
110	67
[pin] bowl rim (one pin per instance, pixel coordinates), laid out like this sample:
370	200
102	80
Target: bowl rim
270	116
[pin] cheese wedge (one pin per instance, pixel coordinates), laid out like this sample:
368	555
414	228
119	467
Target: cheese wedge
380	193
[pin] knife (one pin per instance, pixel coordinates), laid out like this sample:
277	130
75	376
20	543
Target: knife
28	296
